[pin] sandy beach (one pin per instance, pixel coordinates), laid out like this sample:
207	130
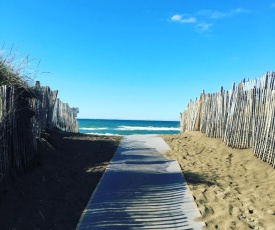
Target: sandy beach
55	193
232	188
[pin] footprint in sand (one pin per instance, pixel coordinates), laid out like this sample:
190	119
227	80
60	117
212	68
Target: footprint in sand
201	150
206	212
270	212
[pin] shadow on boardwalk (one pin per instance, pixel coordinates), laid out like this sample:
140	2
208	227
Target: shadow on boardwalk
141	190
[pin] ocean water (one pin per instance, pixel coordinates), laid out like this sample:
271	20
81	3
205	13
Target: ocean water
127	127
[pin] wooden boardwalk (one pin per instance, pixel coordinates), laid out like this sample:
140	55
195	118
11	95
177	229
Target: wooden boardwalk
141	189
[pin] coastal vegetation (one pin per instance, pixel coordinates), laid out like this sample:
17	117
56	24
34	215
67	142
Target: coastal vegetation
27	114
45	164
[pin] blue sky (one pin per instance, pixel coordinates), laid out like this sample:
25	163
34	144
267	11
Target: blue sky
140	59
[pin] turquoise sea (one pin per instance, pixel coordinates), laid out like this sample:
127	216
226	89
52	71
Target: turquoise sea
127	127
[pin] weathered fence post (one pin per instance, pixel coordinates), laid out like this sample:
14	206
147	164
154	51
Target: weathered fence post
243	117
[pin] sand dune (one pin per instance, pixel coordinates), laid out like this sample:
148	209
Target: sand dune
232	188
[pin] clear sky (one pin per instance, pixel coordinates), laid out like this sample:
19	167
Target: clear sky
140	59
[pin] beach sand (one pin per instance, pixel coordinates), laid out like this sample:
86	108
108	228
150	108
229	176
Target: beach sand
55	193
232	188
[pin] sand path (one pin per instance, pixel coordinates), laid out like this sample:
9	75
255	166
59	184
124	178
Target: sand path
141	189
232	188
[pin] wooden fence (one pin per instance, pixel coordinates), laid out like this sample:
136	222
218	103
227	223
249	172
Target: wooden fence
244	117
26	114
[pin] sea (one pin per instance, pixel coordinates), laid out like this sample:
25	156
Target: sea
127	127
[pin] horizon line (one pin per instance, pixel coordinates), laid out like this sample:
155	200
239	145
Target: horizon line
123	119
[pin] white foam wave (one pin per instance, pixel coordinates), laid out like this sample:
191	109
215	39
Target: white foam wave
104	134
148	128
93	128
